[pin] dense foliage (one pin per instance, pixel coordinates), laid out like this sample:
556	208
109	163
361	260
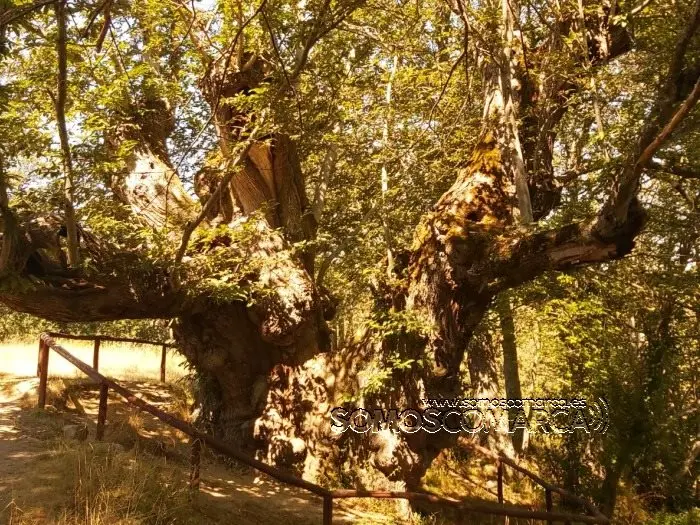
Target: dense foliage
384	100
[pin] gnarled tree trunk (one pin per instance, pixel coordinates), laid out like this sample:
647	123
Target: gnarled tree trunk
237	349
264	385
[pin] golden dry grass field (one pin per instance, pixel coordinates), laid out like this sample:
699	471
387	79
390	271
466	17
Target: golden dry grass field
120	360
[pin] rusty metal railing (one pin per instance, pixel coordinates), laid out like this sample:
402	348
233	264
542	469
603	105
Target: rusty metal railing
47	343
98	339
549	488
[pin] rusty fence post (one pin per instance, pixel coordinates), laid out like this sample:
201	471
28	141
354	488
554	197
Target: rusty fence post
327	510
43	370
38	358
162	363
102	411
96	354
548	498
500	481
195	463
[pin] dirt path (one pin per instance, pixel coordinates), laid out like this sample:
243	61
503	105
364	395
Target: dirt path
30	474
16	449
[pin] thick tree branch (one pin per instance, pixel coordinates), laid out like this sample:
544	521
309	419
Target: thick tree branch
69	179
91	302
218	78
51	291
15	13
543	100
118	288
611	234
640	7
518	261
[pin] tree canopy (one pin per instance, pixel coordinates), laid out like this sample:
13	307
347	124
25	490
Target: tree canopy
384	186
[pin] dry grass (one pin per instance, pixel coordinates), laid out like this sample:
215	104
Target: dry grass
98	484
120	360
89	483
102	484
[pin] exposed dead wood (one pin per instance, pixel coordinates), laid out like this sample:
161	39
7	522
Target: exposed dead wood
149	183
214	198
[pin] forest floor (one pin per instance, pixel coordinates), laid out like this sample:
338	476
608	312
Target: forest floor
139	473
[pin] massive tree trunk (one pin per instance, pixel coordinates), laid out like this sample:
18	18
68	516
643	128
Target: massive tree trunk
234	363
468	248
237	349
263	383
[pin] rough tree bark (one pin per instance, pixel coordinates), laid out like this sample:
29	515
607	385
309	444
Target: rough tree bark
149	183
466	249
267	387
236	348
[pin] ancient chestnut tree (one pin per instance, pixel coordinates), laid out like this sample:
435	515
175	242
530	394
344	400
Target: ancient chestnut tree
211	163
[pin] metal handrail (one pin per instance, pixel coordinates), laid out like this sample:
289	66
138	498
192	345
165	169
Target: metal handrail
97	340
502	459
46	343
61	335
